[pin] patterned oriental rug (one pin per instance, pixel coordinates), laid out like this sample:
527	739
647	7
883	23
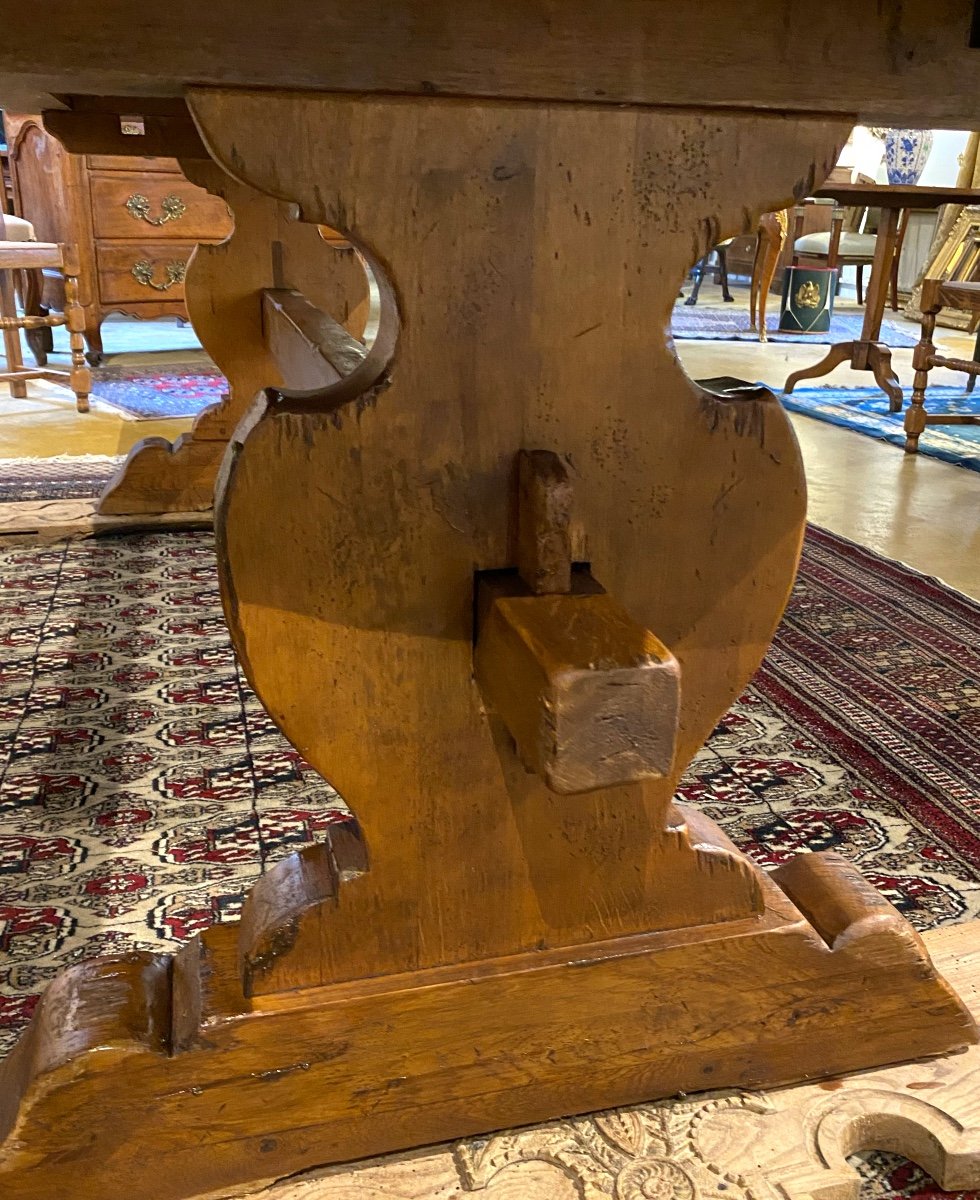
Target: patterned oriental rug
64	477
143	788
865	410
149	392
731	324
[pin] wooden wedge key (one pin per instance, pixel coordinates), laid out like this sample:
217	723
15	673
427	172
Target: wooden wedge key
589	696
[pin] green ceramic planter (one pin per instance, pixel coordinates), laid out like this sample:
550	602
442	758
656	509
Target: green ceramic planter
808	299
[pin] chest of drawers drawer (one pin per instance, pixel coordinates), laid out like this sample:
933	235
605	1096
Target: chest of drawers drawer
135	272
161	206
133	219
137	163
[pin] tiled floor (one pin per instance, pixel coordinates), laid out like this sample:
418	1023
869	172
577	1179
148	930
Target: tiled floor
919	510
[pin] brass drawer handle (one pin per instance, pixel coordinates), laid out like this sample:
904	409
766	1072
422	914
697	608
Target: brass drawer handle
143	273
138	207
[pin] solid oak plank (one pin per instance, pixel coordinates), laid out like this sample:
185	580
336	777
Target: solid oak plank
311	349
885	65
199	217
510	954
544	514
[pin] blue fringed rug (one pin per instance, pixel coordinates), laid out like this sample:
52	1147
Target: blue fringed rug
866	410
178	390
731	324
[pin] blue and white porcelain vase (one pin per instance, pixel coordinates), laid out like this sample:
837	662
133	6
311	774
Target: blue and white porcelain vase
906	154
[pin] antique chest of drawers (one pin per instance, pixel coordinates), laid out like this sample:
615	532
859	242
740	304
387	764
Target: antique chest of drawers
135	222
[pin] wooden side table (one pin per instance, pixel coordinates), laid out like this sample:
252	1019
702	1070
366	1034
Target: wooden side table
868	353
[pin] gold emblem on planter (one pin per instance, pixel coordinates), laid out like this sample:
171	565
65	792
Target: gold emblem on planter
808	295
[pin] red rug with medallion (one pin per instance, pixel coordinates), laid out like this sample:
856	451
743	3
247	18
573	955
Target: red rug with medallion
143	788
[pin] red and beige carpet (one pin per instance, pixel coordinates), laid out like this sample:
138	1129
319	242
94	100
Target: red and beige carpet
143	788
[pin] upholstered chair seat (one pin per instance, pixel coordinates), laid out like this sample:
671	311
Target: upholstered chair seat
852	245
15	229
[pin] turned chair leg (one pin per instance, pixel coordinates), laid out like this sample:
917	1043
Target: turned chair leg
39	340
915	414
971	380
80	376
11	337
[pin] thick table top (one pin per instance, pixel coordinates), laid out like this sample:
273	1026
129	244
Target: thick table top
866	195
901	64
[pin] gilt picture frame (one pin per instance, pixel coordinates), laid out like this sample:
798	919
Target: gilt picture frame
958	258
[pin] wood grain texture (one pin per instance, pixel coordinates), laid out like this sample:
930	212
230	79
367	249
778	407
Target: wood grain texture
80	199
311	349
544	514
280	926
166	262
98	134
200	217
509	955
590	698
890	64
378	508
791	1142
260	1088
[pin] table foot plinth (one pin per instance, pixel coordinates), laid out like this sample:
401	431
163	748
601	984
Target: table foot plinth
793	1142
242	1090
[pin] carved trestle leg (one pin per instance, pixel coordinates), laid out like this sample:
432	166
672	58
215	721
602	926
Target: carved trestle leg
518	472
223	293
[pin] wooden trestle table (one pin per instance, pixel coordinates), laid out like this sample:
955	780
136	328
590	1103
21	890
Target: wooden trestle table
496	575
869	353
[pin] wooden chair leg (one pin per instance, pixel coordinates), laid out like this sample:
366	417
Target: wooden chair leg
754	285
723	273
93	337
971	380
774	250
39	340
860	283
915	414
11	337
702	269
80	376
903	224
